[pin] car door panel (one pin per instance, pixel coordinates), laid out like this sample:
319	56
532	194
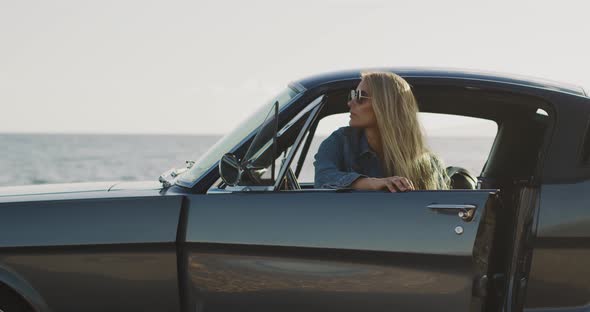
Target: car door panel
319	250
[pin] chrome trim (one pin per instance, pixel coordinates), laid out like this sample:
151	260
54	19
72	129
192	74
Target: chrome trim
317	105
304	111
450	206
465	212
239	189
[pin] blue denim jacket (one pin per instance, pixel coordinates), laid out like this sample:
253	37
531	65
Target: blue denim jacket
344	157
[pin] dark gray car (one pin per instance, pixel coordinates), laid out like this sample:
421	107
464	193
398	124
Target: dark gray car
255	238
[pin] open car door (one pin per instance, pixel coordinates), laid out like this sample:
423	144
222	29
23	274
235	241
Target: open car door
263	249
340	251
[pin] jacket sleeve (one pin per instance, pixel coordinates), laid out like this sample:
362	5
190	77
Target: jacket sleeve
329	165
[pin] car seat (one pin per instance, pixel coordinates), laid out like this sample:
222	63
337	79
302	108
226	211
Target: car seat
461	179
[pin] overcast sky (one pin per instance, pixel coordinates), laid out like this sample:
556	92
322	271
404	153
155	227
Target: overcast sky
201	66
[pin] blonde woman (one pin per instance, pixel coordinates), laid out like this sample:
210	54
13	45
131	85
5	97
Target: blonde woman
383	149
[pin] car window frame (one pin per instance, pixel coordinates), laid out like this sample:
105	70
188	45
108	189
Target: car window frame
313	107
304	154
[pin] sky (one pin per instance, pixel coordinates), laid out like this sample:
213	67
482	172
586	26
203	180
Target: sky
199	67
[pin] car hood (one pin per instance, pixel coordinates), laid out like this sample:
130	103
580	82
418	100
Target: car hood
42	189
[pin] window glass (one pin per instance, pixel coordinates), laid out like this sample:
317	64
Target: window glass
457	140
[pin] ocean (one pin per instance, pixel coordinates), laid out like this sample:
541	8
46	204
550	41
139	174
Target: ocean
64	158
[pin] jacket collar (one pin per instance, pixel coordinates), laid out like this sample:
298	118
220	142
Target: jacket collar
364	147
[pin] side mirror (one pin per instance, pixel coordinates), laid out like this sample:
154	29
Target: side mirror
230	169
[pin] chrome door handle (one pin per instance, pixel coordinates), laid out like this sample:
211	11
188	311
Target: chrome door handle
465	212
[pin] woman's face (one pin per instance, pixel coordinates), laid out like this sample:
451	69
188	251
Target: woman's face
361	111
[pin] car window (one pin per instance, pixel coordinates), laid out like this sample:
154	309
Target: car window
265	163
265	149
457	140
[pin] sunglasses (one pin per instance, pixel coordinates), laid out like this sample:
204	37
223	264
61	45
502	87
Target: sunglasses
357	96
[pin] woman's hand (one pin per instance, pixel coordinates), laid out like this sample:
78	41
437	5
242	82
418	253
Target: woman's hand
392	184
396	184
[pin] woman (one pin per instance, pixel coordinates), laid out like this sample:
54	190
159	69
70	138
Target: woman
383	149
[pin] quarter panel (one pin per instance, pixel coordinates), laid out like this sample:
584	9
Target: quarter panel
560	275
106	254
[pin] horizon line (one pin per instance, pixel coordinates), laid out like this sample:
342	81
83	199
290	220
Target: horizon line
194	134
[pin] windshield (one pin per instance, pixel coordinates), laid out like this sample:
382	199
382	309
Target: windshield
232	139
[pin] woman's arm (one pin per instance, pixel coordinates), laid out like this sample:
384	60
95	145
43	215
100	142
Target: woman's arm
329	167
392	184
330	170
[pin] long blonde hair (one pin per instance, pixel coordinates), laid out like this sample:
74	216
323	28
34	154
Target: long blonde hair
404	151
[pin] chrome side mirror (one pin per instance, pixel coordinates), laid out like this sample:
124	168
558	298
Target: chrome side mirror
230	169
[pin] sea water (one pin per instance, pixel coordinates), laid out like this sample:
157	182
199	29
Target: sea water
63	158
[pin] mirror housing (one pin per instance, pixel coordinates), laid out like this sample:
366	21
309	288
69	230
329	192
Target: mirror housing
230	169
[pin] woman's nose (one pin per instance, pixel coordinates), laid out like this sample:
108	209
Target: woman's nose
349	103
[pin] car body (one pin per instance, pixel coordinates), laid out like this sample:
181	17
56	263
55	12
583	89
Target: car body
196	242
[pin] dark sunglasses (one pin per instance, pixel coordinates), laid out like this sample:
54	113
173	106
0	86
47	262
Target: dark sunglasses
357	96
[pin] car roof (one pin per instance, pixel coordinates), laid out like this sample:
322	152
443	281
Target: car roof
443	73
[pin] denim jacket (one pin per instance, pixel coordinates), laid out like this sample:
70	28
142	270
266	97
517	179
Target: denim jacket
344	157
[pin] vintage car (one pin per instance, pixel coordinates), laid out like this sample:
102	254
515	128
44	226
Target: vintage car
238	230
